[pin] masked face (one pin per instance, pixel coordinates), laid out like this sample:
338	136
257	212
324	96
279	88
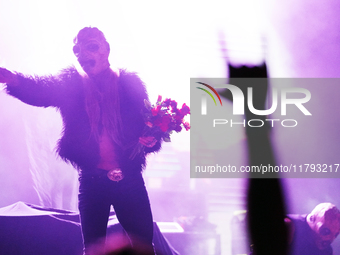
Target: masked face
92	54
326	229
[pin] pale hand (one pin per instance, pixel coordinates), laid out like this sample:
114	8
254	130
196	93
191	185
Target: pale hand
7	76
148	141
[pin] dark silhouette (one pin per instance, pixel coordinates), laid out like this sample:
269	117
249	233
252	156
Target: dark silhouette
265	200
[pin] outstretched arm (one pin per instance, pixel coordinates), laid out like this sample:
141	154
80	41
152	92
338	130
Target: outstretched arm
39	90
7	76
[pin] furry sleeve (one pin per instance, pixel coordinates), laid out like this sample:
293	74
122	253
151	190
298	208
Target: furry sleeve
43	90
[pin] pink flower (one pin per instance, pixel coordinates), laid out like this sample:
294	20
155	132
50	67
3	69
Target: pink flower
179	117
173	104
186	126
185	109
178	128
156	110
167	102
164	125
164	117
157	121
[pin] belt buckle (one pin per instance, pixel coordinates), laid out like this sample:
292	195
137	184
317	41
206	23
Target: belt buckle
115	175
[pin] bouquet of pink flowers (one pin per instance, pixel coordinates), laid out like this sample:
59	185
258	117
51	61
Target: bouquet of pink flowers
162	120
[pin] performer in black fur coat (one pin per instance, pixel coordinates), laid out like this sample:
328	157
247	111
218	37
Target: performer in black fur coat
103	123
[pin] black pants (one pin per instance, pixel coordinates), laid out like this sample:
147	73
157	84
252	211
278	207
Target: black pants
129	199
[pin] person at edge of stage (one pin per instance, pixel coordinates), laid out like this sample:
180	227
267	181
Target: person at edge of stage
102	114
313	234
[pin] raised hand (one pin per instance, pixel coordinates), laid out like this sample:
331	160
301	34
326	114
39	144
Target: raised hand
7	76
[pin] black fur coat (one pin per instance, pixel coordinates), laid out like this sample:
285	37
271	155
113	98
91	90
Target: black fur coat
65	92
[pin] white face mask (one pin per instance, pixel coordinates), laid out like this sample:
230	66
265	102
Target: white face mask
326	231
92	55
326	227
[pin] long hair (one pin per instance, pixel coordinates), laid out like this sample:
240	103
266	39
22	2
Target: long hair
103	106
